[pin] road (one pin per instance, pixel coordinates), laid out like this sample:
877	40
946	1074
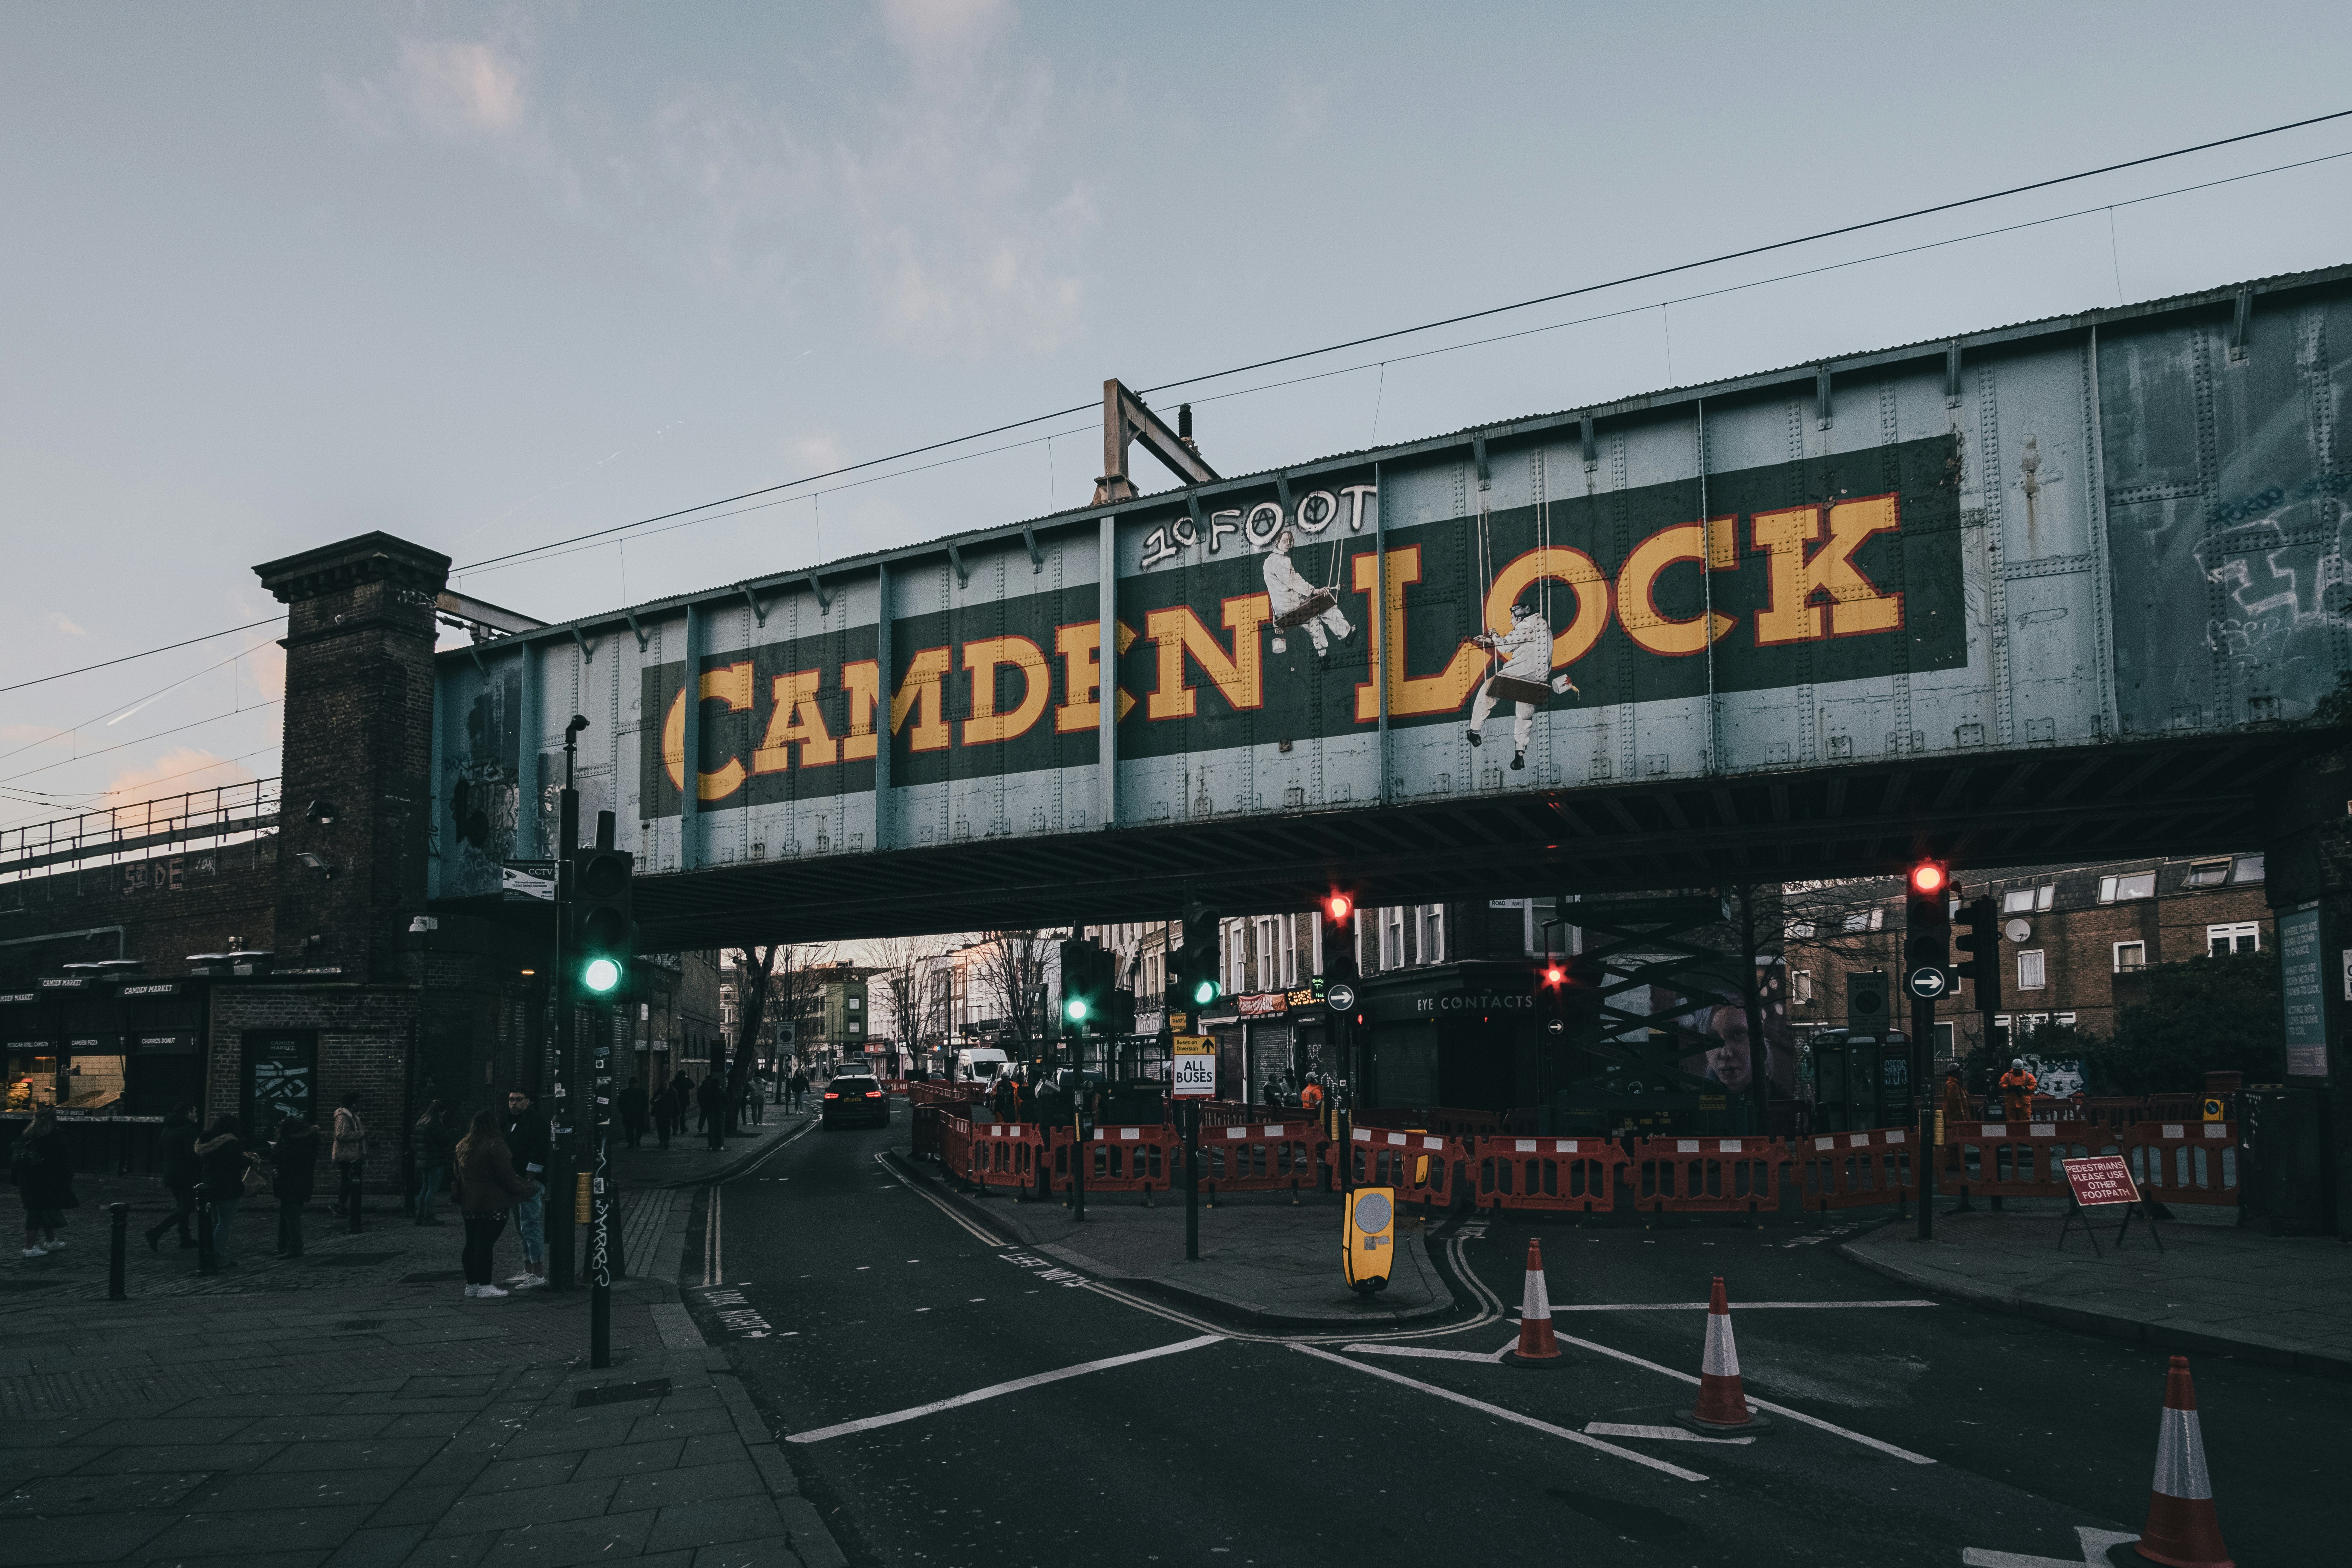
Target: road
937	1390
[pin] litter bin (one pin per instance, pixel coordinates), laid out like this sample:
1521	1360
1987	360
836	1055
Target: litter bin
2282	1160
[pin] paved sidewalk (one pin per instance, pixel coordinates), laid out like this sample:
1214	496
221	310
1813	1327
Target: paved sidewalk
378	1417
690	1159
2285	1300
1263	1259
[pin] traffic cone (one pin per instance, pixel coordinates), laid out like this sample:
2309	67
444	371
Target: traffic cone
2182	1531
1722	1408
1536	1347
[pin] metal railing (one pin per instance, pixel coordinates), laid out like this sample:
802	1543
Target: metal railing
171	825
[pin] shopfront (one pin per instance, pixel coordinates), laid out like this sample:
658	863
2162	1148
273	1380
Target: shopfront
1457	1035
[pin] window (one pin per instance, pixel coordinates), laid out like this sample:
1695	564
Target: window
2208	874
1801	986
1392	937
2045	895
1858	921
856	1004
1432	934
2120	889
2222	940
856	1026
2130	955
2017	901
2250	870
2030	971
1801	931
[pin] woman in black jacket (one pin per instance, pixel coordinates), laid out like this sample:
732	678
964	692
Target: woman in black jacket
182	1171
44	1180
295	1157
223	1157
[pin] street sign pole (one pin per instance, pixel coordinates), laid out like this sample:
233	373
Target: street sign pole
1923	1066
555	1199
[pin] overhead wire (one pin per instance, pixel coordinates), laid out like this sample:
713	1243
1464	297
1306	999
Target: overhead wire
143	653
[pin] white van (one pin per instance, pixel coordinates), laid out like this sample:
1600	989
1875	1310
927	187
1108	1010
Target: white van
981	1065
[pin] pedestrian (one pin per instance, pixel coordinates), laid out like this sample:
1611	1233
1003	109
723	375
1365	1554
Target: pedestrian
632	1111
711	1101
486	1186
350	1155
294	1159
2017	1087
747	1104
681	1094
661	1110
1956	1110
1273	1089
224	1164
700	1095
1311	1097
526	1143
43	1176
431	1141
753	1100
800	1088
182	1171
1008	1101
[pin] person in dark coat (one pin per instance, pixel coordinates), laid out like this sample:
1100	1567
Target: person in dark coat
681	1094
294	1156
530	1144
182	1171
225	1163
800	1089
43	1181
431	1141
485	1187
632	1111
710	1099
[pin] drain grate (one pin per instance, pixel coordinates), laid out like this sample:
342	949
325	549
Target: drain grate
432	1277
616	1392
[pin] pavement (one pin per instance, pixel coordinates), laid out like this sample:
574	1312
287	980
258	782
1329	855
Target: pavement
1264	1263
353	1407
689	1159
2215	1289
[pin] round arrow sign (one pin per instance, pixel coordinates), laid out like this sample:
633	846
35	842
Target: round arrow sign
1340	998
1556	1027
1928	982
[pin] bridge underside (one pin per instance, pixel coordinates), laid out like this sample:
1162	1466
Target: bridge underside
2159	796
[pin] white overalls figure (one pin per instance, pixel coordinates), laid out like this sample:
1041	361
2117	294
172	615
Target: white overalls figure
1297	602
1525	679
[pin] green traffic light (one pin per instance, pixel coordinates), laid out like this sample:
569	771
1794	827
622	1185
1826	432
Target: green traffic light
1205	993
1075	1009
600	976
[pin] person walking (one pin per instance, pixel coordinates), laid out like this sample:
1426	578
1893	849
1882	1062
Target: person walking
486	1185
182	1171
223	1168
1007	1100
2017	1087
660	1102
710	1099
796	1088
42	1176
681	1093
754	1101
1956	1110
349	1154
529	1147
430	1143
294	1157
632	1112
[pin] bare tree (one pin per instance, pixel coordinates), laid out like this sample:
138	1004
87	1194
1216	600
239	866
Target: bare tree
774	982
900	967
1013	965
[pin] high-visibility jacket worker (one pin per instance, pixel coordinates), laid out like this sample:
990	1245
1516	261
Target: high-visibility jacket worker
2017	1087
1311	1097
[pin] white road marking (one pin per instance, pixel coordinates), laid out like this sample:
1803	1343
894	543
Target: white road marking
1423	1352
995	1390
1759	1404
1497	1410
712	1274
984	1238
1738	1306
1657	1434
2096	1544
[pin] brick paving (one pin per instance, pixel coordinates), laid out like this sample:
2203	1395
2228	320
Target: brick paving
352	1408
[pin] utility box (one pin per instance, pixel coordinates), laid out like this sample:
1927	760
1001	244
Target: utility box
2283	1161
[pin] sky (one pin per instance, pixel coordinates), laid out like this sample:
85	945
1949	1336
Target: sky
489	277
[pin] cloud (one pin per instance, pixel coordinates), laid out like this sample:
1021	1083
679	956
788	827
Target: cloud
461	87
177	771
64	625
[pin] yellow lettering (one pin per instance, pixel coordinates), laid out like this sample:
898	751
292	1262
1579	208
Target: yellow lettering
796	720
1855	604
1080	648
1560	563
920	690
1712	542
862	680
981	658
731	685
1439	693
1241	678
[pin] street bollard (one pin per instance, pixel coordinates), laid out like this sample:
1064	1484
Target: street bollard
205	1262
117	1246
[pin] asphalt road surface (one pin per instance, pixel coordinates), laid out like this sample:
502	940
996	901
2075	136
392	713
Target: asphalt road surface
949	1398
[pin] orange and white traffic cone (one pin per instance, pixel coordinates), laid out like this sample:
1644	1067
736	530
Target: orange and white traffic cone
1536	1347
1722	1408
2182	1531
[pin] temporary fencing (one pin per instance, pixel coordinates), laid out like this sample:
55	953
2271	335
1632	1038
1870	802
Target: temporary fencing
2183	1162
1710	1175
1564	1175
1446	1121
2015	1159
1853	1169
1424	1169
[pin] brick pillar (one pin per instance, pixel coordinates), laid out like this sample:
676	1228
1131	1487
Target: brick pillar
358	749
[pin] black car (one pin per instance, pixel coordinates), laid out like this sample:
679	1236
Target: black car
853	1100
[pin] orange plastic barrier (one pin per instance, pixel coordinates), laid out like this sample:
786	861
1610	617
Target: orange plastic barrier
1565	1175
1423	1168
1446	1121
1850	1169
1001	1154
1146	1159
1261	1157
2183	1162
1710	1174
2014	1159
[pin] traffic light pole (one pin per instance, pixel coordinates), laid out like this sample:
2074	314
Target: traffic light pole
555	1201
1192	1180
1923	1066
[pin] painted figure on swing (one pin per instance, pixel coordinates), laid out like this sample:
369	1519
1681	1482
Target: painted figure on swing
1526	679
1296	602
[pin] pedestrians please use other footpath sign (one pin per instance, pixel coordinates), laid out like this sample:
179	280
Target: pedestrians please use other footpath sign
2102	1179
1196	1067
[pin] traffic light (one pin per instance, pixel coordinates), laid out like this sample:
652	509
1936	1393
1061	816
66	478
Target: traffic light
601	923
1979	938
1337	914
1927	918
1087	972
1195	981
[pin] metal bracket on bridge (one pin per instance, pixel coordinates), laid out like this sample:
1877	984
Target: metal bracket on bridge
1592	445
963	572
1952	375
759	610
1037	555
644	639
587	648
817	586
1478	452
1281	488
1822	395
2240	324
476	650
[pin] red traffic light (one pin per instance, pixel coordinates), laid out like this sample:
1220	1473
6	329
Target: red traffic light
1927	877
1554	975
1339	907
